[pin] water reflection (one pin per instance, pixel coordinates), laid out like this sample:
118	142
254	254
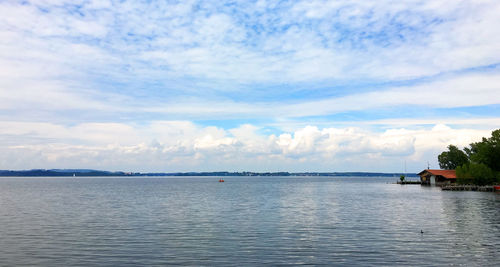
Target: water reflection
472	222
244	221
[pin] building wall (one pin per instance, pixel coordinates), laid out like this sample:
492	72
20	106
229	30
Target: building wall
433	180
437	180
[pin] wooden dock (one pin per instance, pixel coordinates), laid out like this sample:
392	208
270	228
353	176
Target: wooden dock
487	188
409	182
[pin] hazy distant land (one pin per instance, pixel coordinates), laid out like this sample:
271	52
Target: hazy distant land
90	173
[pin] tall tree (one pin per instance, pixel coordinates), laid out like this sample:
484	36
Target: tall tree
451	159
484	165
475	173
487	151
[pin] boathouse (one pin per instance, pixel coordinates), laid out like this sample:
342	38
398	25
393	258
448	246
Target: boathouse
437	177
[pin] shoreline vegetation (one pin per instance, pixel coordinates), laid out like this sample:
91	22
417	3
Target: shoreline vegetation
478	164
94	173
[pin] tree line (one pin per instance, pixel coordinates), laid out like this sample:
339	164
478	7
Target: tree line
477	164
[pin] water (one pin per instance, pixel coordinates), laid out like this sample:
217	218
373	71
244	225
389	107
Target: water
244	221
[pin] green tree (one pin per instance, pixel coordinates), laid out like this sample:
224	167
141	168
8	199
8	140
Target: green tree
482	175
463	174
487	151
475	173
451	159
481	163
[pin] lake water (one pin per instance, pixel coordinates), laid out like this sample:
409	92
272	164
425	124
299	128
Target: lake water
244	221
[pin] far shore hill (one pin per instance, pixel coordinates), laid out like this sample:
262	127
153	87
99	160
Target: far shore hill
94	173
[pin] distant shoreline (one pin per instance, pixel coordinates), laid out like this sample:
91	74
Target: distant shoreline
94	173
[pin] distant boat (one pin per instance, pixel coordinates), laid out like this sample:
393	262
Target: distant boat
497	187
221	180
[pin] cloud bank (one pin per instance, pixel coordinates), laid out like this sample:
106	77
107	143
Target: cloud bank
182	146
246	85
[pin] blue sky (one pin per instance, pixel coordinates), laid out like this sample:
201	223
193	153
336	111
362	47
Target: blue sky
245	85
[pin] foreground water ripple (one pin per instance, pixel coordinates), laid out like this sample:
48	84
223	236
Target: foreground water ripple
364	221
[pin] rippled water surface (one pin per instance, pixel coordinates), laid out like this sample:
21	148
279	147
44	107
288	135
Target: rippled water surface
244	221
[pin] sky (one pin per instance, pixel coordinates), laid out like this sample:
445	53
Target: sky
176	86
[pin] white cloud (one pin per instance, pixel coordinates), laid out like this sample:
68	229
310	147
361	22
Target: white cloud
184	146
454	92
301	41
109	67
335	40
462	91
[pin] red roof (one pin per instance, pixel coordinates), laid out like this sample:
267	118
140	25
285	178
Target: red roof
449	174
